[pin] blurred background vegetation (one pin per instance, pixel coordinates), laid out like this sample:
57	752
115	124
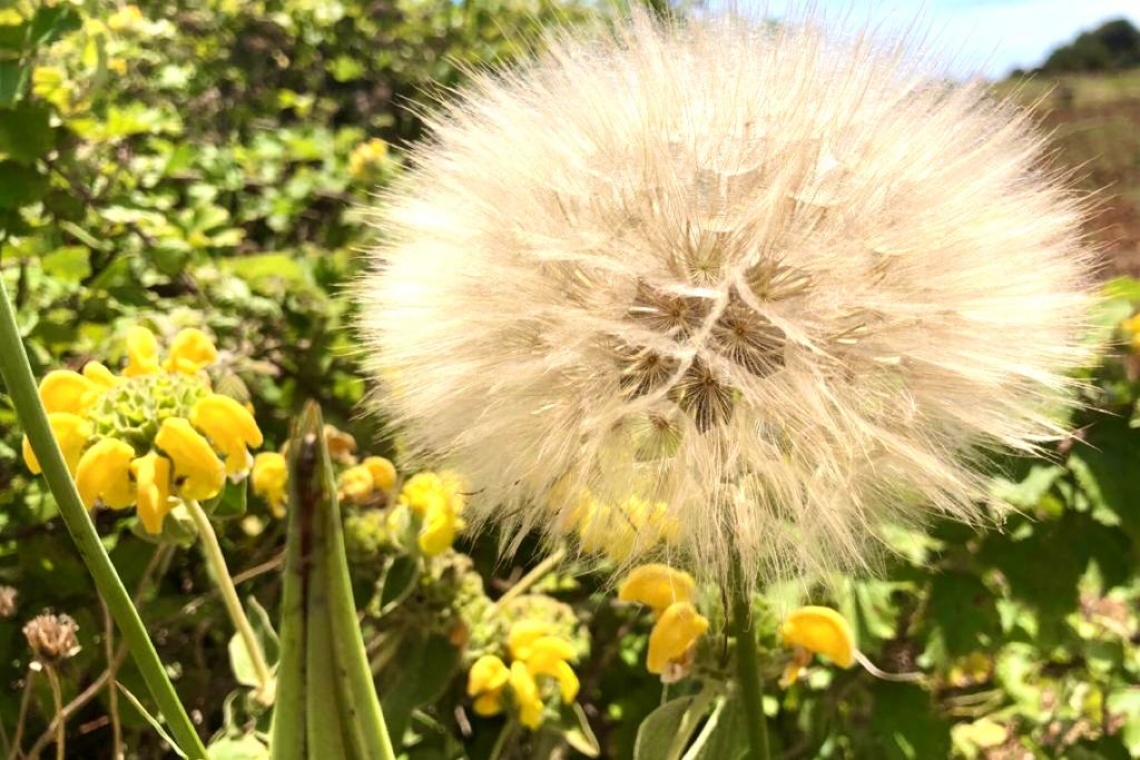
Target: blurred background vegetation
211	162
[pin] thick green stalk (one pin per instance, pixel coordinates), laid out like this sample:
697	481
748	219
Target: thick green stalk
748	670
17	375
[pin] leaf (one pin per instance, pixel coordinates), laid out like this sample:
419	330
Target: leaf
247	747
154	722
417	675
51	22
724	735
26	133
577	732
668	728
22	185
964	614
400	578
13	77
240	661
905	725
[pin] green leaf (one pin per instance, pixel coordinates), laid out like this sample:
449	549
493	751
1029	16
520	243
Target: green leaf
26	134
240	661
68	264
400	578
577	733
51	22
417	675
905	725
154	722
247	747
724	735
964	615
22	185
667	730
13	78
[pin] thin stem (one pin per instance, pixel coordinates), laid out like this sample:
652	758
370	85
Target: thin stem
540	571
113	694
25	700
216	560
21	385
748	671
57	701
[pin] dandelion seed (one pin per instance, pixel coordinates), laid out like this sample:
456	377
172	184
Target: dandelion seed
782	283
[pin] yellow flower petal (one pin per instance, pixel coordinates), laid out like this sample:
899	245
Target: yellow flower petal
71	432
823	631
438	531
197	469
142	352
356	484
523	634
190	352
527	699
488	673
552	648
678	629
65	391
230	427
546	663
103	475
270	479
657	586
489	703
152	477
383	473
101	376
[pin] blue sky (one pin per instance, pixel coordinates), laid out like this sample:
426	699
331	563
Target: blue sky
988	37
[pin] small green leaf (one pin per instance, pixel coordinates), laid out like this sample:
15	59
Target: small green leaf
668	728
247	747
154	722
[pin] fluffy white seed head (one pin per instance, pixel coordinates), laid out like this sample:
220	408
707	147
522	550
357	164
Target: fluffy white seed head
779	282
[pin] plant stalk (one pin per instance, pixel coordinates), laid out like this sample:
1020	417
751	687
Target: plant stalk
17	375
748	670
216	561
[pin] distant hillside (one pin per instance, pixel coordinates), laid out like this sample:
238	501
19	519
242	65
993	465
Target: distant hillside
1094	124
1113	46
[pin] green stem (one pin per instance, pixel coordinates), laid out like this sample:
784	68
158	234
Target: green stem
17	375
748	670
540	571
216	561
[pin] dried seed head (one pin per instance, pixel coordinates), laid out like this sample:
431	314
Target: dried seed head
8	601
52	637
779	282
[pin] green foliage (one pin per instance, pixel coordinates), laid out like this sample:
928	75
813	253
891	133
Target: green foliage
1112	46
206	162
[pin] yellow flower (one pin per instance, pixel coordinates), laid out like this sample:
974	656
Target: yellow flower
71	432
823	631
365	156
62	390
103	474
426	488
195	464
100	376
657	586
528	702
816	630
438	531
486	681
230	427
152	476
383	473
142	352
674	635
270	477
523	634
356	484
549	657
1132	327
190	351
125	18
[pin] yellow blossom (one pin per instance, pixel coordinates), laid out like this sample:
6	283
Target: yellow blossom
100	376
152	477
62	390
820	630
356	484
1131	326
124	18
103	474
383	473
270	478
71	432
485	681
657	586
190	351
438	531
528	702
425	488
142	352
365	156
201	473
230	427
523	634
673	636
549	657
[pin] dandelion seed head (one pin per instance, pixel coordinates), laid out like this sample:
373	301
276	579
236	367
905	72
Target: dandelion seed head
781	282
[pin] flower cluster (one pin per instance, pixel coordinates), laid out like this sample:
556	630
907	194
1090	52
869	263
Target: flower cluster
360	482
153	436
430	506
539	659
678	625
367	157
620	531
816	630
1131	329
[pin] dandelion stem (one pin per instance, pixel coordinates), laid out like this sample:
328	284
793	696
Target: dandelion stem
748	670
21	386
61	723
216	560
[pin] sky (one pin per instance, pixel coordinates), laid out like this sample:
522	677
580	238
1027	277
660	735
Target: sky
986	37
